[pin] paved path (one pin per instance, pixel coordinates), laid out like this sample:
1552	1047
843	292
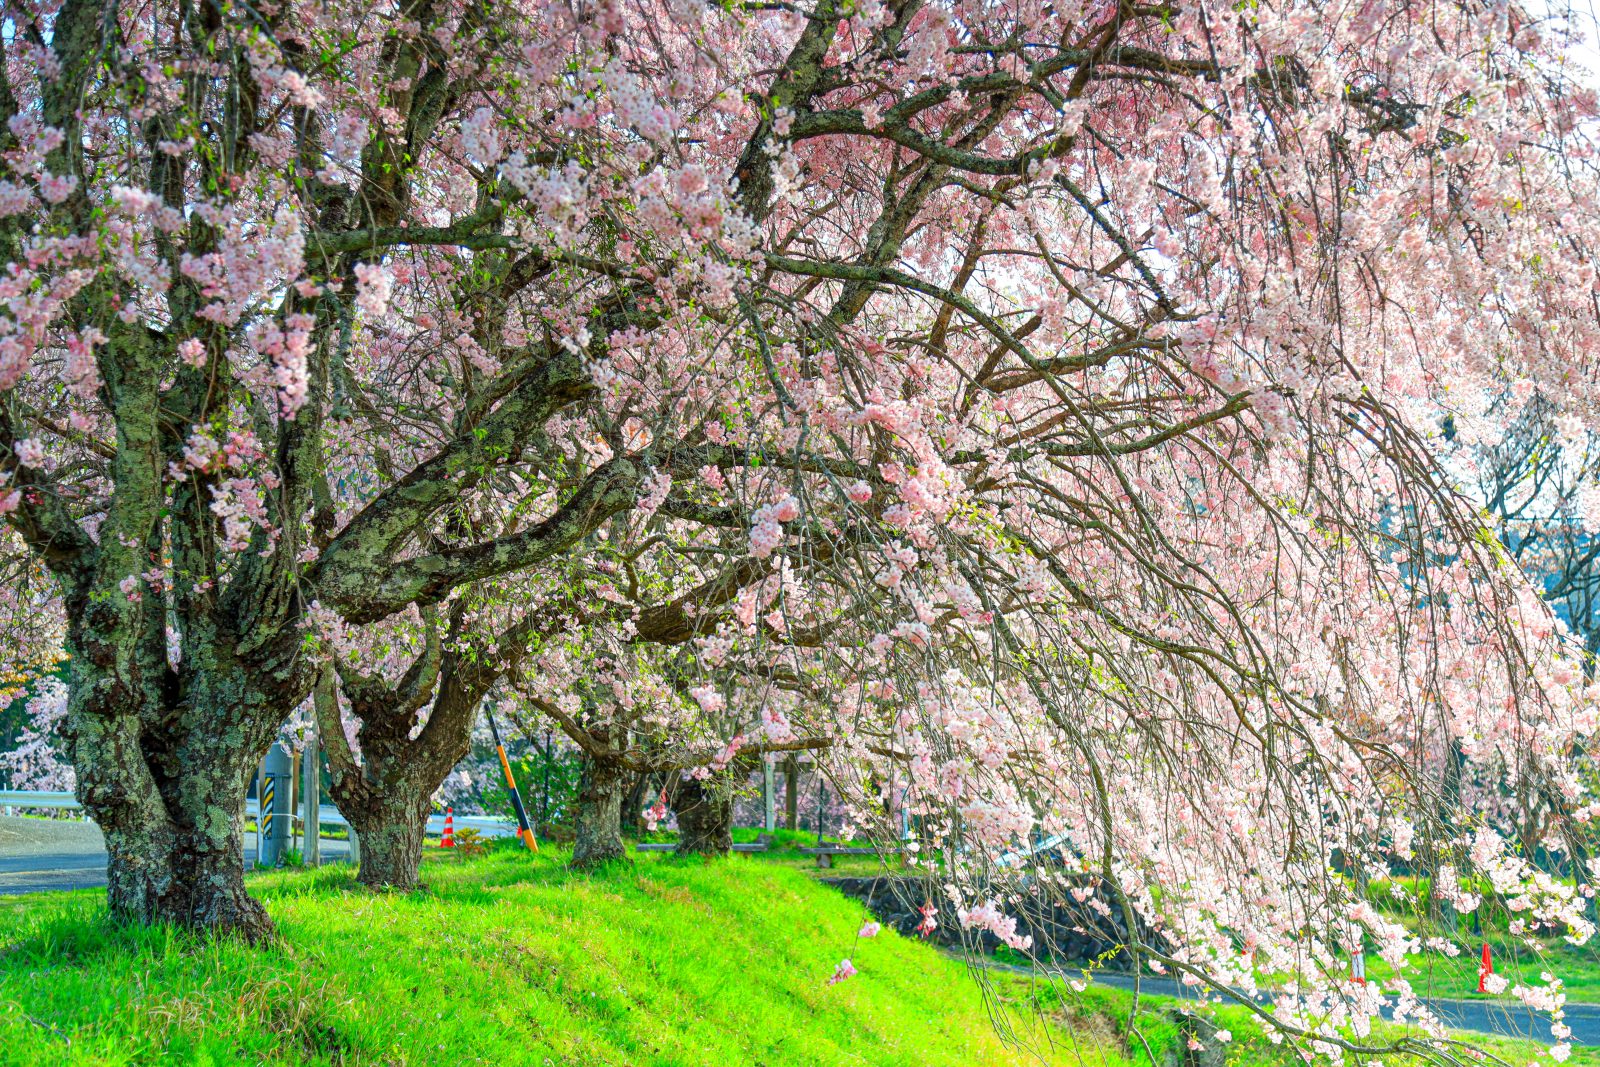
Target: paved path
43	854
1506	1017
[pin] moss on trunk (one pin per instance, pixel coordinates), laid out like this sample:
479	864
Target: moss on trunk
705	816
601	787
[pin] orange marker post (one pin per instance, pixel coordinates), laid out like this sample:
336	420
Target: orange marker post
524	831
1485	969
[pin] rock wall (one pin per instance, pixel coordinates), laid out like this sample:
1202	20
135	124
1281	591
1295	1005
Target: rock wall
1077	934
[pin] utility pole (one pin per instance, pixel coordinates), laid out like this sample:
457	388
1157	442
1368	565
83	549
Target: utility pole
294	780
791	793
821	786
769	805
261	812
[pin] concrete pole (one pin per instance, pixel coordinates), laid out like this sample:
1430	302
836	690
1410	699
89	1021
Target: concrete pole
355	848
294	782
791	795
769	799
277	813
261	779
311	799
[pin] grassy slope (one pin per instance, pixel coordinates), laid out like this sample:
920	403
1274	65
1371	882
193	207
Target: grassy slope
506	960
1432	974
511	960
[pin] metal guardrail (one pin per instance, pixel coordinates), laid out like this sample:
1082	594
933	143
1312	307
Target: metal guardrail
1016	857
488	825
27	798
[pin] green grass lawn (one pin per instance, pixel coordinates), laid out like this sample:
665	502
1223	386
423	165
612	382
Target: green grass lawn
1433	974
1515	957
510	959
506	959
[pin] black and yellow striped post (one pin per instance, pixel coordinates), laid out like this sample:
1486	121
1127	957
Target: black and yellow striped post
269	805
275	815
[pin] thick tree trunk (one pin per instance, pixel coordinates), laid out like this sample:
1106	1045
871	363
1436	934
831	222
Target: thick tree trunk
633	805
601	788
705	817
389	814
391	837
174	847
166	875
388	793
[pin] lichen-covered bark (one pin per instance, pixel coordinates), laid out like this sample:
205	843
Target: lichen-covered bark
163	750
386	792
391	839
705	816
356	572
168	802
601	787
800	78
163	759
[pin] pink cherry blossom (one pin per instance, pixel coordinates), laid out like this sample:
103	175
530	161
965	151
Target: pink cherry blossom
30	452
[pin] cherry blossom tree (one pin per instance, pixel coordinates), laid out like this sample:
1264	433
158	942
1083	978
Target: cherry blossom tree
1044	395
35	761
200	206
407	716
632	713
1535	470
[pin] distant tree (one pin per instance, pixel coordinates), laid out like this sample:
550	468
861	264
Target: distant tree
34	759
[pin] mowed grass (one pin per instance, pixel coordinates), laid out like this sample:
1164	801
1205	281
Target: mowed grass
1103	1012
1521	959
505	959
1434	974
510	959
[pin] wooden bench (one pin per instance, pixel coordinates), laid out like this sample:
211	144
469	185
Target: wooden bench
670	846
825	853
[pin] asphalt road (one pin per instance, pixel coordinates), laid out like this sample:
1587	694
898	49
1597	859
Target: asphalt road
1507	1017
43	854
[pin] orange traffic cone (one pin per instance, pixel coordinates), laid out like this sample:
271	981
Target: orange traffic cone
449	838
1485	969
